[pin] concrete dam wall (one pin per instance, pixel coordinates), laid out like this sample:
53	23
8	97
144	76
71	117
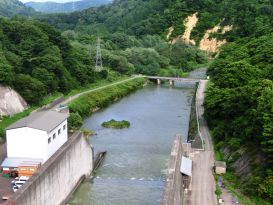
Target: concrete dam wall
59	176
173	192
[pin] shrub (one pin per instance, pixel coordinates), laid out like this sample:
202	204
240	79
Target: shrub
75	121
85	104
116	124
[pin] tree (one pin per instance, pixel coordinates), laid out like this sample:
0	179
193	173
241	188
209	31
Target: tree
6	74
236	74
74	121
31	89
265	110
6	70
265	188
47	78
145	60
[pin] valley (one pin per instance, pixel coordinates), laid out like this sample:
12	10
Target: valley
47	55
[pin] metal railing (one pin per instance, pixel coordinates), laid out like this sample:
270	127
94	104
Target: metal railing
197	117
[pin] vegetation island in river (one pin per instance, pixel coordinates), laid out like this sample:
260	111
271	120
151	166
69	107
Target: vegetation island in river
116	124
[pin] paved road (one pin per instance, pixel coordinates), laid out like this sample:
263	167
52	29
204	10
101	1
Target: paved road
203	183
93	90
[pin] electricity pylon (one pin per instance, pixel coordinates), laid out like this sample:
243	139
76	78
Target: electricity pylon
98	57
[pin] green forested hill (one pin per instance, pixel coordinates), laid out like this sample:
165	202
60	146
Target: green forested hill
138	17
138	28
52	7
239	104
14	7
36	60
239	108
133	37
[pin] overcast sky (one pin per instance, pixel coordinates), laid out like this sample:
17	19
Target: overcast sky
59	1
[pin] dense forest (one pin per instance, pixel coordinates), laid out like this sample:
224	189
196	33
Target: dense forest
140	18
239	105
36	60
133	34
74	53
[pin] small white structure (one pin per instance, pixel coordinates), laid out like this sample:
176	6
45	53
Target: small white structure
186	171
220	167
37	136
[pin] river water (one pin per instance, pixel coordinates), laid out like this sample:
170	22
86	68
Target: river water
134	169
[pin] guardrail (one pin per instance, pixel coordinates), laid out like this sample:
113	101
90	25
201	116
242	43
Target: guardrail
197	118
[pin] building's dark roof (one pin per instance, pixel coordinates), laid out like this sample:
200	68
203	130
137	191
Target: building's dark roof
45	120
220	164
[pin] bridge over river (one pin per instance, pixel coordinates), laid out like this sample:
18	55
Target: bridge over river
171	80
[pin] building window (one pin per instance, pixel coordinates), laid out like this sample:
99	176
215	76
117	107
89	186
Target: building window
59	131
64	127
54	135
49	140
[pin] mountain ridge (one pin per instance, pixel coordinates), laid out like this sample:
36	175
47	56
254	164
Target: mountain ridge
54	7
9	8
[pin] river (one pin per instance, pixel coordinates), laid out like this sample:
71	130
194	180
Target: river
134	169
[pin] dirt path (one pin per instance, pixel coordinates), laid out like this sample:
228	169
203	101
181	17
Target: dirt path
203	183
93	90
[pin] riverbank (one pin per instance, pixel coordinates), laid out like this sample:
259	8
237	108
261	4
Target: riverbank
6	121
88	103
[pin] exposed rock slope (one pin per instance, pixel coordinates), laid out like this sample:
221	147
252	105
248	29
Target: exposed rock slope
10	101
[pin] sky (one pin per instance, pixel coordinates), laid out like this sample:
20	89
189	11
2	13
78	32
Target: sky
59	1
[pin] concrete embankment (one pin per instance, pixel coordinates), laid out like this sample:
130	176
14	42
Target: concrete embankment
194	134
59	176
173	192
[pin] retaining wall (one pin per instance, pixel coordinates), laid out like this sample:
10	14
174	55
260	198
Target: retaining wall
59	176
173	192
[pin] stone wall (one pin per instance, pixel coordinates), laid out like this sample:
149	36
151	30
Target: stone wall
173	191
59	176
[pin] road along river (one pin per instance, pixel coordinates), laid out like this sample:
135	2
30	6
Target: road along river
134	169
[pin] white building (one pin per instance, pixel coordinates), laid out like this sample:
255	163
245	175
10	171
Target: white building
37	136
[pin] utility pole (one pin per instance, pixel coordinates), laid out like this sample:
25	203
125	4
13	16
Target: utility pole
98	57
